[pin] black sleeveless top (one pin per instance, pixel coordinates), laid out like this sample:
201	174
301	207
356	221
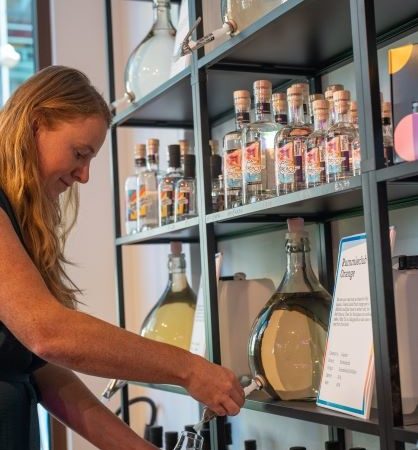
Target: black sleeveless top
19	428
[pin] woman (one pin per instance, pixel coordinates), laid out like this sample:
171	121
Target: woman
50	129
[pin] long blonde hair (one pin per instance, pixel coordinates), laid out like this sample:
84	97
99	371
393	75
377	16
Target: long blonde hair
53	95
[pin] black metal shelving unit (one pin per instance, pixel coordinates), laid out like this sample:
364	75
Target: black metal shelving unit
299	39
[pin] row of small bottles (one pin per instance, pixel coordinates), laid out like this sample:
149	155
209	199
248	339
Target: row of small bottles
267	158
154	199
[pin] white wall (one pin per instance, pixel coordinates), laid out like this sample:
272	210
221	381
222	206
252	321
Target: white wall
79	41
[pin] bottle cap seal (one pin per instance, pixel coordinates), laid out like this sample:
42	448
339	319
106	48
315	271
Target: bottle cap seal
175	248
174	155
189	166
140	151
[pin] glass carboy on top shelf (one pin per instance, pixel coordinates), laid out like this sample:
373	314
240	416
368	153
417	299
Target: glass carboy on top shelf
288	338
171	319
149	64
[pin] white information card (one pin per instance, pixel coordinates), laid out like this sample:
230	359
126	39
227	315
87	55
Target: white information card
348	374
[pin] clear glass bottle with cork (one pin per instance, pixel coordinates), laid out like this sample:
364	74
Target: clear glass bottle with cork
132	188
258	148
217	188
171	319
148	191
312	98
232	150
185	191
341	138
166	187
288	339
304	86
290	145
329	96
316	145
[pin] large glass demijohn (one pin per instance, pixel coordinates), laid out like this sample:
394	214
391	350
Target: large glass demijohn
288	338
149	64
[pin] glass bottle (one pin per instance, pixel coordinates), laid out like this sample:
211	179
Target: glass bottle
189	441
184	150
149	64
356	151
340	139
166	187
232	150
131	191
279	101
288	338
290	145
304	86
170	440
185	191
387	133
258	148
329	93
250	444
312	98
148	191
171	319
217	191
315	146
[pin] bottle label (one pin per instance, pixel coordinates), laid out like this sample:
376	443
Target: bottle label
313	166
253	163
345	150
281	119
285	164
166	203
299	148
242	117
131	206
262	108
183	201
333	156
233	169
143	202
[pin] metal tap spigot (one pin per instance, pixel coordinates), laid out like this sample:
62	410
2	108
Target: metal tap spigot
112	387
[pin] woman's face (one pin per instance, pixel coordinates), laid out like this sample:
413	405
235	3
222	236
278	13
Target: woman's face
66	150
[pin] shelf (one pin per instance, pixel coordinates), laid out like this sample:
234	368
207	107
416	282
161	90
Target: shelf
309	411
300	34
406	433
162	387
314	203
168	106
184	231
398	171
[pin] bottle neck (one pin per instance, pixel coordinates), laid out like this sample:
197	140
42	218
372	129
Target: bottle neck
162	15
139	164
152	162
177	273
341	117
242	117
299	276
387	126
320	124
296	114
262	109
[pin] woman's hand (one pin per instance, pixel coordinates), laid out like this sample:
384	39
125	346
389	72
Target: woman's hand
215	386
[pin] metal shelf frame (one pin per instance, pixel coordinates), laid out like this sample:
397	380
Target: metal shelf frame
351	31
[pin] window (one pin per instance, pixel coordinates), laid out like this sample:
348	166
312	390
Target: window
16	29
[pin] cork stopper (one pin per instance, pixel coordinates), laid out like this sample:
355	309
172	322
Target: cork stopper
175	248
140	151
387	109
341	95
341	101
262	91
295	95
320	109
304	86
184	147
353	106
295	227
153	146
242	100
279	100
331	89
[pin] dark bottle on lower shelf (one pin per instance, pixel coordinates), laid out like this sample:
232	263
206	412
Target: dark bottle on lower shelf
170	440
156	436
333	445
250	444
205	433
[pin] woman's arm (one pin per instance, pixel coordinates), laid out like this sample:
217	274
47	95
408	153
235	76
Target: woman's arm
65	396
83	343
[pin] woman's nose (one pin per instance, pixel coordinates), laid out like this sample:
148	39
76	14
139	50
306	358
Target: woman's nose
81	174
